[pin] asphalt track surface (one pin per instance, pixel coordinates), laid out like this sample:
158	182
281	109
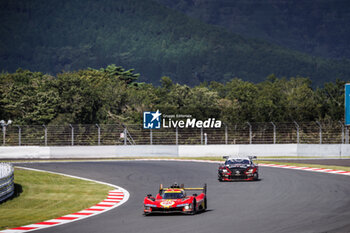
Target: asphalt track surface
283	200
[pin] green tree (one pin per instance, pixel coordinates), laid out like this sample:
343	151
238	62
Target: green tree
300	100
330	101
79	101
28	97
119	72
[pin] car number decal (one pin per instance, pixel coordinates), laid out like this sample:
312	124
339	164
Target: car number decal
167	203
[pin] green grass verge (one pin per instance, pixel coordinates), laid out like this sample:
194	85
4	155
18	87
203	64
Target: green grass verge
41	196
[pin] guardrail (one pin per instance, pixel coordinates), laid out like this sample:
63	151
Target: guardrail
7	186
96	152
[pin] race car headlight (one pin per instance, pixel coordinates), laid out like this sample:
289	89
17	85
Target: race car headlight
250	170
185	206
149	205
182	205
224	170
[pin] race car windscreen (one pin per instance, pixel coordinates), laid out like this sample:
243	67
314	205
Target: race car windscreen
173	195
237	161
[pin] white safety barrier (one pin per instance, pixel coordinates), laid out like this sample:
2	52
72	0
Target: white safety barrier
7	186
261	150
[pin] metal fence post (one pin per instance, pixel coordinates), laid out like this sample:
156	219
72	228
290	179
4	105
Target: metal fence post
346	135
177	135
3	135
45	135
342	132
72	134
4	125
151	137
19	135
125	135
319	124
201	136
98	134
250	133
274	132
296	124
234	139
226	135
205	139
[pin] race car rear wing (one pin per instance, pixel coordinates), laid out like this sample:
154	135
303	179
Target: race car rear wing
227	156
203	189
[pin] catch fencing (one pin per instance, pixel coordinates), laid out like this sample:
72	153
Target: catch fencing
118	134
7	186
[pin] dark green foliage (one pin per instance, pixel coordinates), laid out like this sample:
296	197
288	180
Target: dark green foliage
29	97
68	35
120	73
103	96
330	100
318	27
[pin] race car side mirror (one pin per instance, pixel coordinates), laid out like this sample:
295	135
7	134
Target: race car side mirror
225	157
195	194
149	196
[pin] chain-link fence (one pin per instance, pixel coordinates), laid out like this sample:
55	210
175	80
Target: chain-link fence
240	133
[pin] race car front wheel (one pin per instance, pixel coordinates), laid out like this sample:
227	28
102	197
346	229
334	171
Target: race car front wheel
194	204
256	176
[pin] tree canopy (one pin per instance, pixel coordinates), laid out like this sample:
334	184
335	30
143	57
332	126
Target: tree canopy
113	95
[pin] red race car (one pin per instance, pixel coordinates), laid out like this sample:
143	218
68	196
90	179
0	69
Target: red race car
176	200
238	168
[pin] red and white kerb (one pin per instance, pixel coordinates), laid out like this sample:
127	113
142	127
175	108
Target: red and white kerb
115	198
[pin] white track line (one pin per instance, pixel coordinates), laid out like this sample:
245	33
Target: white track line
114	199
310	169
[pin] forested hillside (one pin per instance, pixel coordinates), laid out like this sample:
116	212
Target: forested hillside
68	35
318	27
112	95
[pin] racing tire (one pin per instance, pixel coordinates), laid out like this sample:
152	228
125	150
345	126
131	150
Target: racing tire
205	204
194	203
256	176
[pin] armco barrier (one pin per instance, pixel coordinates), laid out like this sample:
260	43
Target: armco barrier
6	181
262	150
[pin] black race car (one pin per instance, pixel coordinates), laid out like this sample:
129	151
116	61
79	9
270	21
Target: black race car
238	168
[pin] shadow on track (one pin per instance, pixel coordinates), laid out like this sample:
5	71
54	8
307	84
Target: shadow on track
240	181
176	214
